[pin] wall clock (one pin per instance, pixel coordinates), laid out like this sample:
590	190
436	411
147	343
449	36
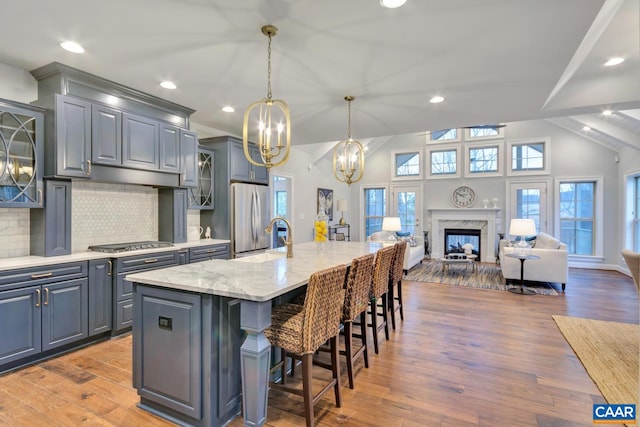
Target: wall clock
463	197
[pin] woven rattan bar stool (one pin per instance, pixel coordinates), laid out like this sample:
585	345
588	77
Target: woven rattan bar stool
356	302
299	330
379	289
395	282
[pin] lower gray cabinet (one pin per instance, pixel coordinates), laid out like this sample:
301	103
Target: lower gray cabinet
100	296
209	252
186	355
34	319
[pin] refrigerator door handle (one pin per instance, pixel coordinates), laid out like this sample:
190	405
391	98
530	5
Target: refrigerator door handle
258	217
253	218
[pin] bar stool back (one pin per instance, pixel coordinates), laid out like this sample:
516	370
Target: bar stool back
299	330
395	282
379	289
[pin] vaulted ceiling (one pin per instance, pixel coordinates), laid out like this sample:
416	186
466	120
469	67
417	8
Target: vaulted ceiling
494	61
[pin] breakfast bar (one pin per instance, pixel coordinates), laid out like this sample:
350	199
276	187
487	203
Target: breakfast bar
190	320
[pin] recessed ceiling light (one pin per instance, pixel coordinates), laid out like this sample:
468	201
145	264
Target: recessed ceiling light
607	112
436	99
586	128
72	47
392	4
228	109
614	61
168	85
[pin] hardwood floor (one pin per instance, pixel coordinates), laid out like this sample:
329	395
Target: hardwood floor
462	357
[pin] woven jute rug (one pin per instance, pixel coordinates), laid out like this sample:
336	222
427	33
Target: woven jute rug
609	352
489	276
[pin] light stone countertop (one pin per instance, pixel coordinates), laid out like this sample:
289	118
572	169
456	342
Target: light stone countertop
260	277
38	261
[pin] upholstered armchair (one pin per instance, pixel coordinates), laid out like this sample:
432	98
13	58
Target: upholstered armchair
633	262
552	266
414	253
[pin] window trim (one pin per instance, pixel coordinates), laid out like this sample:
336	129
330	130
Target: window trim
546	169
486	144
629	208
440	148
598	220
394	168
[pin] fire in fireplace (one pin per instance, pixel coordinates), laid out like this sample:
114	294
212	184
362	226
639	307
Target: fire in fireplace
456	238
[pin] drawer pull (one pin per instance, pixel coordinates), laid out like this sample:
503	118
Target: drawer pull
88	167
183	251
41	276
150	261
46	296
37	297
211	250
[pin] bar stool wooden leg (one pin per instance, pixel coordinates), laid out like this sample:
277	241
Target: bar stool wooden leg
307	367
348	347
363	337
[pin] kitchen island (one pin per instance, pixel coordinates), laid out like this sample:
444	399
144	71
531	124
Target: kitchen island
194	324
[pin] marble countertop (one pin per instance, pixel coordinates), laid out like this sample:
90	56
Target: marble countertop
259	277
37	261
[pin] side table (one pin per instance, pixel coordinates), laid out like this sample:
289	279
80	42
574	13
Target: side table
522	258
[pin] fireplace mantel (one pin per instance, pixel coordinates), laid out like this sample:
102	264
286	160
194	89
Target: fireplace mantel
471	218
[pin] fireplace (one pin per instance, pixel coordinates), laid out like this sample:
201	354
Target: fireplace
456	238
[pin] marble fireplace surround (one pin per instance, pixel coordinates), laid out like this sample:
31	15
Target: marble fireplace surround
484	219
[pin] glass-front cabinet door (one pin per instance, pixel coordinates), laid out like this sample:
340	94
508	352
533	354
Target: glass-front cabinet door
21	138
201	197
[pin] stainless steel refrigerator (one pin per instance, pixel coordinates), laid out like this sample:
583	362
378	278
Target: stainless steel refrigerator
249	218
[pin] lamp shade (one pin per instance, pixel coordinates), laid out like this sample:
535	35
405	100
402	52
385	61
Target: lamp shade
342	205
522	227
391	223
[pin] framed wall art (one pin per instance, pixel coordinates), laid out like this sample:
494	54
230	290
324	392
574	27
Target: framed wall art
325	202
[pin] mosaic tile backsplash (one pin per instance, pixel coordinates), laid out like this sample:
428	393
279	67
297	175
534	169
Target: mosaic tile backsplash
112	213
14	232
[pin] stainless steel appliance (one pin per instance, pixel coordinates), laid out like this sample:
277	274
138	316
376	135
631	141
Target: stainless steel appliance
129	246
249	218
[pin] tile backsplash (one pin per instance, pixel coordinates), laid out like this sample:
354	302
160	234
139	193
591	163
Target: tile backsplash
14	232
112	213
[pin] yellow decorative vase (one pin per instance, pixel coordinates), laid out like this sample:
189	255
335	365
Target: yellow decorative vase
321	228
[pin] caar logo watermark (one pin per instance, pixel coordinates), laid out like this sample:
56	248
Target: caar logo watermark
614	414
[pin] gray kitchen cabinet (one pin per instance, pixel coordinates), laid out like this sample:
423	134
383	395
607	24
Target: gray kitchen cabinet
189	158
72	146
21	155
50	228
179	338
209	252
123	289
140	146
169	148
172	214
41	309
100	296
183	256
106	135
202	196
243	170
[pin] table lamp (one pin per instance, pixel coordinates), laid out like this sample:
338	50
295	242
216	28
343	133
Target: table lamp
342	207
522	227
391	223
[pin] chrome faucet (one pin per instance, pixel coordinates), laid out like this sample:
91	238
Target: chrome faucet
289	242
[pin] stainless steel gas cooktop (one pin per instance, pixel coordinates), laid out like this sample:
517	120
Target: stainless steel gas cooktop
130	246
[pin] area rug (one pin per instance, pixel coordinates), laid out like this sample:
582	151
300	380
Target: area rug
609	352
489	276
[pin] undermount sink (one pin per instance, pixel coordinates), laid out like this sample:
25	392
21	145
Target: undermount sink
263	257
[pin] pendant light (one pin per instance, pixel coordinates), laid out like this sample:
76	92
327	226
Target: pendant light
348	156
268	122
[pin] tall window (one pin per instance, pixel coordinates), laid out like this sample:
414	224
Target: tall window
281	203
375	208
528	204
577	216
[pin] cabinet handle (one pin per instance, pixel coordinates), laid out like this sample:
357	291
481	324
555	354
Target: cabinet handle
88	167
110	268
211	250
37	297
40	198
183	251
150	261
46	296
41	276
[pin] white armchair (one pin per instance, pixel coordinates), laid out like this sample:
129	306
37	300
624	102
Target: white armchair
552	266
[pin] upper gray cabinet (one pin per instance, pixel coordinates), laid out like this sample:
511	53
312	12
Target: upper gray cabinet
21	155
106	135
108	132
232	163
